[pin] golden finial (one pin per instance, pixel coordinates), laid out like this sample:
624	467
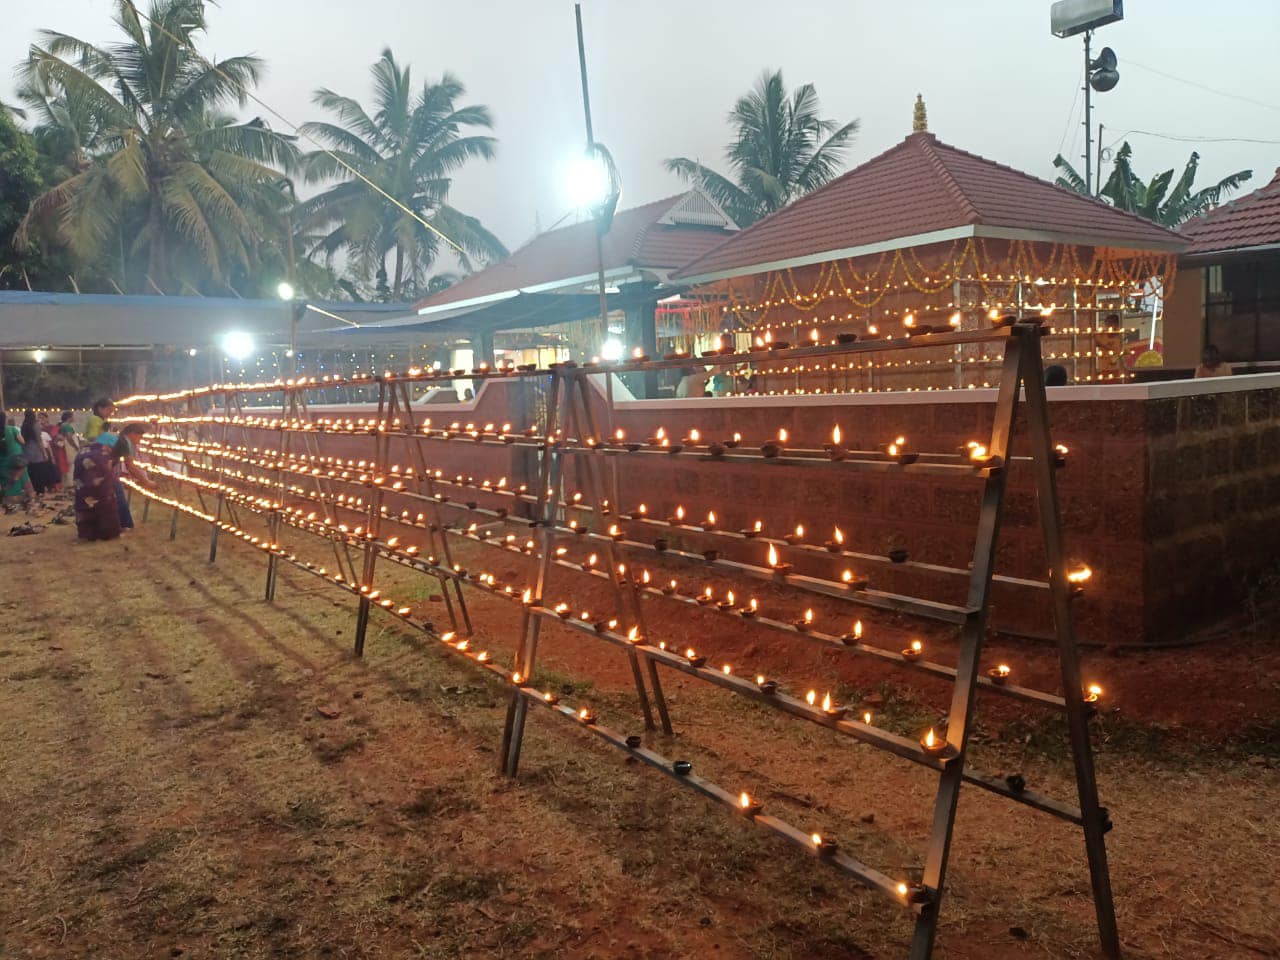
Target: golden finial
920	122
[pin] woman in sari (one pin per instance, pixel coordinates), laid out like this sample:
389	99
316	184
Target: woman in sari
99	494
13	466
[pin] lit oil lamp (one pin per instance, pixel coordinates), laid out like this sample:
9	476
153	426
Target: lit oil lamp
867	717
483	656
616	532
753	531
897	450
670	588
747	805
825	846
913	652
805	623
1077	576
854	637
932	743
677	518
796	535
777	566
550	698
835	449
853	581
767	686
659	438
639	356
562	611
1060	452
980	456
710	522
692	438
1000	674
706	598
831	708
586	716
728	603
751	609
1092	693
733	441
772	448
836	543
954	321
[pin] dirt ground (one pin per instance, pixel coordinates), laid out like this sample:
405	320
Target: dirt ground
171	787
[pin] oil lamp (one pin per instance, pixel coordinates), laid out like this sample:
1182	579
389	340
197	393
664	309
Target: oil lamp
733	441
705	598
779	568
825	846
766	685
710	522
1092	693
836	543
751	609
932	743
727	603
749	806
897	449
853	581
633	741
753	531
772	448
912	653
677	518
796	535
853	638
682	768
805	622
657	440
586	716
867	717
1060	452
832	709
1077	576
670	588
999	674
483	656
835	448
639	356
692	438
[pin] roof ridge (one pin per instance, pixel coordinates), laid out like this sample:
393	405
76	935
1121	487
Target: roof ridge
1049	183
795	204
927	142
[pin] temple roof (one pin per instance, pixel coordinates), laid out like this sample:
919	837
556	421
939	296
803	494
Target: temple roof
1241	224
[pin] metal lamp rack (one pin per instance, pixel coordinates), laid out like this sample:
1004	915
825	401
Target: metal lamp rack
344	504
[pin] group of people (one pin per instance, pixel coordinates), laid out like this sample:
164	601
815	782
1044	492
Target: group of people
38	457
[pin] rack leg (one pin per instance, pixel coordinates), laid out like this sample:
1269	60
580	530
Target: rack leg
362	625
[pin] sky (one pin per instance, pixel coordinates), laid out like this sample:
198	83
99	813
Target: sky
664	74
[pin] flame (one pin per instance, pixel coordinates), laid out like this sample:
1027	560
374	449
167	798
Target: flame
977	451
1092	693
955	319
711	518
817	839
729	597
917	646
619	434
591	560
707	592
826	702
694	436
811	697
1004	670
661	433
584	713
527	596
929	739
909	320
759	525
872	329
744	800
637	353
737	437
799	531
634	634
782	435
902	889
813	334
773	556
839	537
808	615
993	314
727	669
760	678
690	653
835	435
679	513
857	629
1079	574
754	605
1061	448
866	718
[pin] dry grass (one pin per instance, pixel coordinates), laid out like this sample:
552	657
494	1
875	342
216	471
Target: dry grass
170	790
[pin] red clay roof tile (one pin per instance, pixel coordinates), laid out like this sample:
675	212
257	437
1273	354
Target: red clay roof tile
1249	221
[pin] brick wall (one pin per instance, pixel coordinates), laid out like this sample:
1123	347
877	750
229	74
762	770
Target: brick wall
1170	493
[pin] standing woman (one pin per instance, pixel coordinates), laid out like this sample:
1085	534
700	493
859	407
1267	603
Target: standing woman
13	466
65	447
35	448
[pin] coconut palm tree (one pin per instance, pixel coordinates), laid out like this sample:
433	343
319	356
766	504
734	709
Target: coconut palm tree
781	150
410	146
157	181
1153	200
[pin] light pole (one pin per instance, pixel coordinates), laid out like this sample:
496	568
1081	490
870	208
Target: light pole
1068	18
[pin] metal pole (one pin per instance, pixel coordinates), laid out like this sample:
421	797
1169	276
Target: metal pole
1088	120
591	143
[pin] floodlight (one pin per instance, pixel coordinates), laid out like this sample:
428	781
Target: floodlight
612	350
1070	17
285	290
237	344
587	181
